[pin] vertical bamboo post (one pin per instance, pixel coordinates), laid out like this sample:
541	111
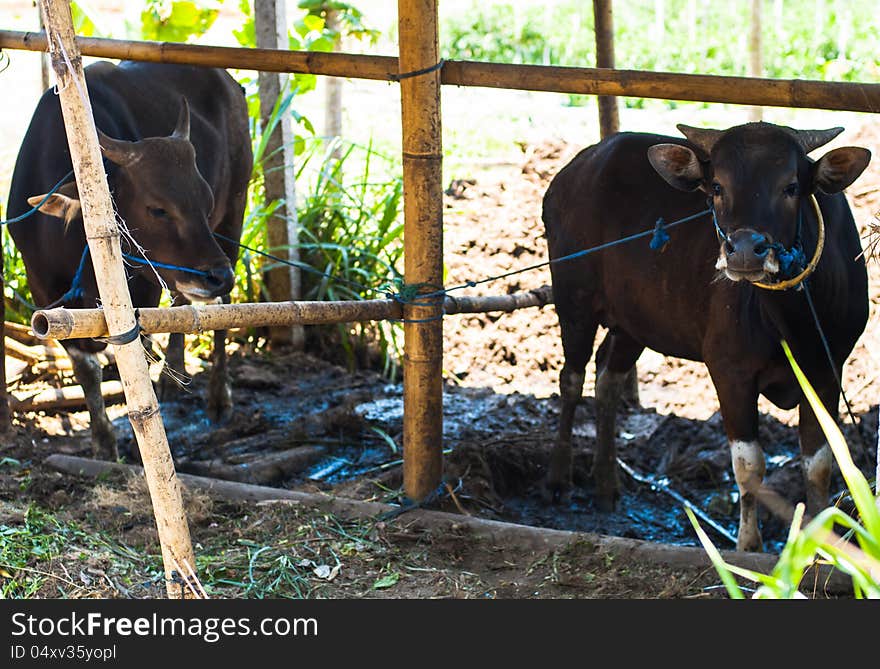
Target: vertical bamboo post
103	237
423	246
756	61
4	396
603	17
333	93
283	282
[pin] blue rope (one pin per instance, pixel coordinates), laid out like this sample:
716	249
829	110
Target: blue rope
42	202
571	256
406	293
76	290
162	265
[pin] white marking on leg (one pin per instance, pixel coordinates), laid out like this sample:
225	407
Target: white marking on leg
817	477
748	469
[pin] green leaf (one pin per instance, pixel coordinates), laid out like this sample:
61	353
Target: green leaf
721	567
386	581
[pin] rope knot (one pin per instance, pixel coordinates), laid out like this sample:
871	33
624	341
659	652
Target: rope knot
661	237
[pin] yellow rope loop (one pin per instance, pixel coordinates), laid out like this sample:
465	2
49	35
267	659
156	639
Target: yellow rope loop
820	244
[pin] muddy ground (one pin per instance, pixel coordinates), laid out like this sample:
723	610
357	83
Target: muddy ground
500	416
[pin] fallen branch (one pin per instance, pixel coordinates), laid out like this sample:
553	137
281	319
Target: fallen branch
271	468
69	397
500	533
33	354
21	333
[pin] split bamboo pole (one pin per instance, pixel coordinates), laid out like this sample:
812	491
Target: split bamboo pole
103	237
62	323
832	95
423	245
603	21
279	177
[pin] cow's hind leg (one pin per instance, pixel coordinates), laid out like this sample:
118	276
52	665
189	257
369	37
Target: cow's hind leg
615	361
577	344
219	392
816	456
87	369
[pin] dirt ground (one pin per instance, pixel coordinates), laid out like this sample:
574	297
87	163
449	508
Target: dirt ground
499	420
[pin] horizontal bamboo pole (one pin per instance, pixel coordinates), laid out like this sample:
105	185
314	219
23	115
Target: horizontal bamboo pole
61	323
833	95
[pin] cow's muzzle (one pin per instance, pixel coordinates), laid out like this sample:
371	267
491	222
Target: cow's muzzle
747	255
215	282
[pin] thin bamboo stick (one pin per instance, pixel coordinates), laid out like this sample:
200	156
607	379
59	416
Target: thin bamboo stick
423	247
5	423
603	20
833	95
279	176
103	236
61	323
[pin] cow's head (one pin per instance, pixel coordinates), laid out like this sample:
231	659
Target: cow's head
757	177
165	203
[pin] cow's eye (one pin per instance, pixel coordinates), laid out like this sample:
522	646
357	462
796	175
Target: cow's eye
792	189
157	212
716	189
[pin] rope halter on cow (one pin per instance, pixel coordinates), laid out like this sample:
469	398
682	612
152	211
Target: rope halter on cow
795	251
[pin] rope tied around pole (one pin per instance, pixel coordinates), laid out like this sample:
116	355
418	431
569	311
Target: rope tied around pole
417	73
125	337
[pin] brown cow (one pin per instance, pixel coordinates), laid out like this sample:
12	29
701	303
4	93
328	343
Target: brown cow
177	150
758	179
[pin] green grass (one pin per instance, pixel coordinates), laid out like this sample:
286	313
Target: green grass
46	556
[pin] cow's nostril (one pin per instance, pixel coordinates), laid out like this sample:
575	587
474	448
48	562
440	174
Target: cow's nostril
729	247
219	278
761	249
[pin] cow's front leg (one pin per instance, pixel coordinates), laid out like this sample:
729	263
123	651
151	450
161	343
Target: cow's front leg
174	367
87	370
816	456
219	392
739	409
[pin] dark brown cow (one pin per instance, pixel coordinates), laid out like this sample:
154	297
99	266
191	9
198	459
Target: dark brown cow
177	150
693	300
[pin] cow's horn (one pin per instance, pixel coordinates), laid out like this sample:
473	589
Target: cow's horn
181	130
813	139
117	150
703	138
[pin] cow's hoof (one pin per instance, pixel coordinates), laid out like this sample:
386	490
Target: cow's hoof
750	545
104	447
607	502
556	491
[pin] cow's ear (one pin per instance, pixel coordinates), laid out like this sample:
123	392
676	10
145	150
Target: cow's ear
838	168
181	130
677	164
117	150
63	203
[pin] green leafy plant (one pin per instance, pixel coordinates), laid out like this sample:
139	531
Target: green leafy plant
856	554
177	20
